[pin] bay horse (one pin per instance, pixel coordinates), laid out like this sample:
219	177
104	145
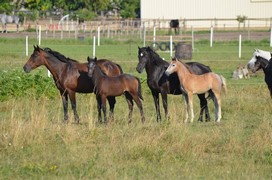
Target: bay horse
105	86
6	19
198	84
262	60
69	75
159	83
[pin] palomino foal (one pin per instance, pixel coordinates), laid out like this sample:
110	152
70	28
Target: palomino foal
197	84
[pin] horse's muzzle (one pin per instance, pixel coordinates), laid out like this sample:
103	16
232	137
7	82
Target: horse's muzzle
27	68
167	73
139	69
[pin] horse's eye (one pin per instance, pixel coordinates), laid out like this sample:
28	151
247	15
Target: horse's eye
173	65
141	54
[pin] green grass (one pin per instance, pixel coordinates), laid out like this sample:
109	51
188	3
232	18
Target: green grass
35	144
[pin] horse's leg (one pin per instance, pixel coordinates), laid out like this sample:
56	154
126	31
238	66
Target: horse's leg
98	100
157	105
203	107
270	90
103	105
164	103
191	107
216	106
64	97
130	106
6	28
17	26
72	96
186	99
112	102
140	106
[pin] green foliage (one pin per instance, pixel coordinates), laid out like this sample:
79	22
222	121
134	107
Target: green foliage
15	83
84	14
5	6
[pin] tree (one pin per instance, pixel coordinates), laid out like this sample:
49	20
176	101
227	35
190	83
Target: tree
5	6
130	8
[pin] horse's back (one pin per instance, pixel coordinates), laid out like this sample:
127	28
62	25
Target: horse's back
110	68
198	68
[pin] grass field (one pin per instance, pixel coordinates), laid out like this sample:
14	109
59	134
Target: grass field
36	144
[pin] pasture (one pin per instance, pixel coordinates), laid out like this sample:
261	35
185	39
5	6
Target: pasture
35	143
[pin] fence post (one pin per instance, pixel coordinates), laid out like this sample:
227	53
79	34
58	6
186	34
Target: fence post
98	36
154	34
211	37
240	45
144	34
270	36
193	41
26	45
171	46
93	46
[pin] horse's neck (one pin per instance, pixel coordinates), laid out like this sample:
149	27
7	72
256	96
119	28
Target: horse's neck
97	75
55	66
154	67
183	72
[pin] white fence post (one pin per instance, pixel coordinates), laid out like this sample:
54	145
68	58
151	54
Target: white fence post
211	37
93	46
98	36
171	46
240	45
271	36
26	45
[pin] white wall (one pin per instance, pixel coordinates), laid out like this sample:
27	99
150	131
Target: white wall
205	9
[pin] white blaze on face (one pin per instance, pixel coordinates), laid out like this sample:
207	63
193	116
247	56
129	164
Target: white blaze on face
264	54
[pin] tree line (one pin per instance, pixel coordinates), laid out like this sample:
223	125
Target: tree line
83	9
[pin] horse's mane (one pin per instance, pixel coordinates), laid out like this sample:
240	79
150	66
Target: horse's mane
264	54
59	56
156	57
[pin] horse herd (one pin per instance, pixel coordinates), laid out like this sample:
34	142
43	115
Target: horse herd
107	80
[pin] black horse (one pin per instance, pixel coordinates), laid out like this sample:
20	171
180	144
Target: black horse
158	82
266	65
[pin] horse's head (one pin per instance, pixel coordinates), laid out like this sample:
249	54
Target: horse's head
172	67
91	65
143	57
35	60
260	63
259	60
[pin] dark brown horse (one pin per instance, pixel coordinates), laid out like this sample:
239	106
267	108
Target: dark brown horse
69	75
106	86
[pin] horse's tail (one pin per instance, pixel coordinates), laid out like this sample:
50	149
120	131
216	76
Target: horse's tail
139	89
224	83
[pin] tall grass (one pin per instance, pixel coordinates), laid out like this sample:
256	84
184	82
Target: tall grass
36	144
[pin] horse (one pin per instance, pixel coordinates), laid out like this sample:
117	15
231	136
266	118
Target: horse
159	83
105	86
69	75
6	19
198	84
262	63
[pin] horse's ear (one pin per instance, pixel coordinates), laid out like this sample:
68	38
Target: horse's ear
148	48
88	58
138	48
95	58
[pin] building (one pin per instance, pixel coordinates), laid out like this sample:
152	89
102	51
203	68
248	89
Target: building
206	13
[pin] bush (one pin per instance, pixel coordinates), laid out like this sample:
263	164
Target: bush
16	83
